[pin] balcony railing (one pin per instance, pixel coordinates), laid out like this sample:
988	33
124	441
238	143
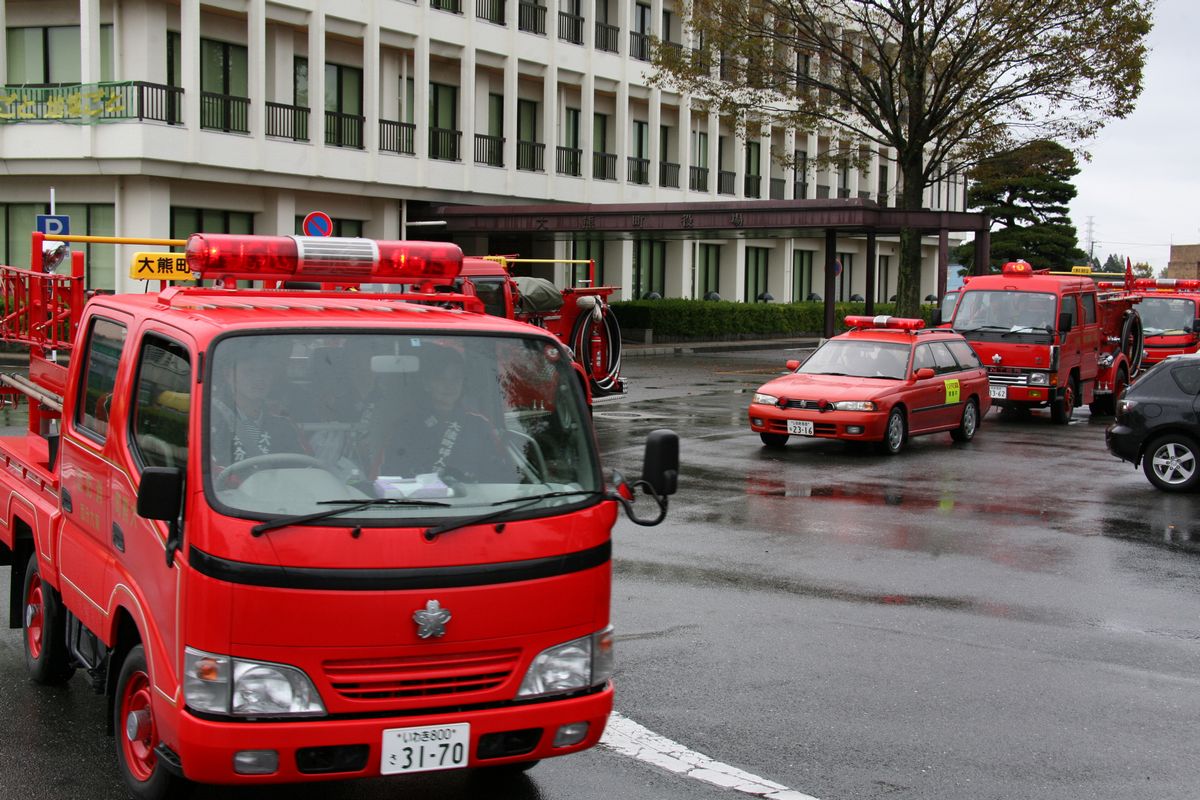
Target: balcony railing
864	195
92	102
822	191
531	18
570	27
397	137
882	199
725	182
698	179
344	130
222	112
604	166
453	6
668	175
444	144
607	37
799	190
752	186
637	170
639	46
843	193
778	188
568	161
531	156
287	122
489	150
490	10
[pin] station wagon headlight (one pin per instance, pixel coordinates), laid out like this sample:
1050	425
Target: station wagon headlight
570	666
765	399
1039	379
854	405
218	684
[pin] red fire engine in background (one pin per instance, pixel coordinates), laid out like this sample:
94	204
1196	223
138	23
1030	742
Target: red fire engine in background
211	514
1054	341
1169	312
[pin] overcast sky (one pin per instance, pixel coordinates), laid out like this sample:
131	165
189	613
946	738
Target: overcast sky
1142	186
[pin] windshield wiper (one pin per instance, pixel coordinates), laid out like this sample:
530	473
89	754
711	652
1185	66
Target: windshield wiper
1027	329
347	507
522	502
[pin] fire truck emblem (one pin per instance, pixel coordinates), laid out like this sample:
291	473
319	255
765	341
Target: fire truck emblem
431	620
996	358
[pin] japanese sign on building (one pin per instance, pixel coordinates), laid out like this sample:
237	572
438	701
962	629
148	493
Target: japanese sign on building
81	103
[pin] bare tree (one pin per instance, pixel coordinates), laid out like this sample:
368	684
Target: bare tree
943	83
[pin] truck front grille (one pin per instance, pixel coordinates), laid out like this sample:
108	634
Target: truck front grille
421	676
1007	377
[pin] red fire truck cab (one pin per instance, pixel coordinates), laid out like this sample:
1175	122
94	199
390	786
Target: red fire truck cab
1170	316
308	535
1050	340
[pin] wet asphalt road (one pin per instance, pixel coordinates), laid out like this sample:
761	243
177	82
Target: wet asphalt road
1018	617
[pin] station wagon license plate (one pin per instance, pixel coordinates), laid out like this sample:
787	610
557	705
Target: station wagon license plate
800	427
997	392
425	749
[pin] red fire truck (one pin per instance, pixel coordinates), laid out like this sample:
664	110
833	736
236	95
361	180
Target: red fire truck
1051	340
1169	313
258	523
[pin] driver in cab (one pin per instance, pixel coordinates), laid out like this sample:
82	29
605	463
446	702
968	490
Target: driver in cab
245	422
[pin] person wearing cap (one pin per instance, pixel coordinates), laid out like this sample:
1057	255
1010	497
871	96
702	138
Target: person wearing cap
245	422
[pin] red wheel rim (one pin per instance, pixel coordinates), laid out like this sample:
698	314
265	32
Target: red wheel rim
1069	399
34	616
138	747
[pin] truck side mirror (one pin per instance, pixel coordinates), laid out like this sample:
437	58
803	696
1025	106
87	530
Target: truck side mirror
1196	325
160	496
1064	322
660	466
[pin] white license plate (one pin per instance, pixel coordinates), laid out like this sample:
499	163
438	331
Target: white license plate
998	392
800	427
425	749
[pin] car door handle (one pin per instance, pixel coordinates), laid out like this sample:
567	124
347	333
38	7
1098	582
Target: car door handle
66	501
118	537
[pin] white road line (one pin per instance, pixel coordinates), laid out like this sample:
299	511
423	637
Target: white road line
629	738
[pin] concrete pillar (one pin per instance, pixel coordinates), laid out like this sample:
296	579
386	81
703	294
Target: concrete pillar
316	78
421	98
511	76
189	61
466	103
872	269
89	41
141	204
830	281
256	53
371	83
587	126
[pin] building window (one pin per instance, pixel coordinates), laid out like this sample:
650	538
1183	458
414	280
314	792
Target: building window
845	278
41	55
708	269
583	250
224	86
443	122
19	220
802	262
757	261
528	155
883	279
343	106
186	221
649	268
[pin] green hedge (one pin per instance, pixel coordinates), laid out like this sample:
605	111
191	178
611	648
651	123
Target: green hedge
720	319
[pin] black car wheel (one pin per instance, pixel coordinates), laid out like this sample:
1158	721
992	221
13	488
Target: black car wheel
1170	463
775	440
965	431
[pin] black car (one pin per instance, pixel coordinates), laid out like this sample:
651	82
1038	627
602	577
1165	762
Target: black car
1158	424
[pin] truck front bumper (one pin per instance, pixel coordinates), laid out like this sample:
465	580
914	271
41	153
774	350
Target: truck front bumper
338	749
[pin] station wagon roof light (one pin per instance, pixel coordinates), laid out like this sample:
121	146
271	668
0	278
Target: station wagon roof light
317	258
895	323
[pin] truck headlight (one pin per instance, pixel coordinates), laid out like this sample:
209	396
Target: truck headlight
765	399
577	664
854	405
1039	379
219	684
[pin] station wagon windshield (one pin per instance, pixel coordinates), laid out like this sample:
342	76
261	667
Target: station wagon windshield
859	359
447	426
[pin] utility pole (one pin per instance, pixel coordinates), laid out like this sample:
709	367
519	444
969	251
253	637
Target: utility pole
1091	239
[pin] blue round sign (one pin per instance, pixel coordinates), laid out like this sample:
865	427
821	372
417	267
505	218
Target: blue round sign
317	223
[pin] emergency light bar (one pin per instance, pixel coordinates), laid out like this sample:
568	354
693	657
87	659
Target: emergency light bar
1168	284
1017	268
896	323
320	258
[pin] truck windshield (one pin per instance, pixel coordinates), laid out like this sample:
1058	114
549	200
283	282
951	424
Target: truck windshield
298	422
1161	315
1006	312
858	358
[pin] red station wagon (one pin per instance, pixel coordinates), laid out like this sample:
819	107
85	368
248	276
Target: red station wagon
884	380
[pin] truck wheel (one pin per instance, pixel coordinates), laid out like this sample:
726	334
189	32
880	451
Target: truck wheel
137	734
1063	407
895	434
45	630
965	431
774	440
1170	463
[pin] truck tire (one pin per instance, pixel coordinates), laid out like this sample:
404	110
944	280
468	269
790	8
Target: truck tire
1063	407
45	630
965	431
137	735
1172	463
1107	404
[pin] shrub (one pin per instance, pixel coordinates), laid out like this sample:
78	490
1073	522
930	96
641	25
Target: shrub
708	319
